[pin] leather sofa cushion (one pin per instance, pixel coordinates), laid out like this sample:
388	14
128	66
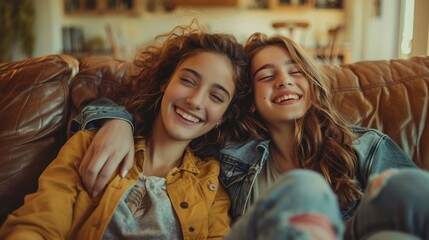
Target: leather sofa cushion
392	96
99	76
34	108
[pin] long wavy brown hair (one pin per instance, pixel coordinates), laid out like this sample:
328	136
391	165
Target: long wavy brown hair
322	141
154	65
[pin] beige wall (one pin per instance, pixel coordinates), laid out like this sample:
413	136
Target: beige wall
141	30
365	35
420	42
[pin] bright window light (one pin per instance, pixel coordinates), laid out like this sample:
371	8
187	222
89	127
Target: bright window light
407	34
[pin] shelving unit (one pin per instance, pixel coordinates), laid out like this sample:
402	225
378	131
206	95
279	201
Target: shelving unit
290	4
205	3
303	4
97	7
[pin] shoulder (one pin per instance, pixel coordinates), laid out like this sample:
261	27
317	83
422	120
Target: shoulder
82	135
365	132
202	166
376	152
206	162
248	152
367	138
78	143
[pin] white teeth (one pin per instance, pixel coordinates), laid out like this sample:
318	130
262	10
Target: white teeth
187	116
286	97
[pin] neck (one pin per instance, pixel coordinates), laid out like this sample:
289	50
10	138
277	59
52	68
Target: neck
162	153
282	146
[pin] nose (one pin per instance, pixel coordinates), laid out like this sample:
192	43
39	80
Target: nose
195	100
283	80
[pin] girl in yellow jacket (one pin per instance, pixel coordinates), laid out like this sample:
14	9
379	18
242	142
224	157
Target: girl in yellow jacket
184	94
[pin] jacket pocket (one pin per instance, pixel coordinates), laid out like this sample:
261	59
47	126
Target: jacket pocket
232	171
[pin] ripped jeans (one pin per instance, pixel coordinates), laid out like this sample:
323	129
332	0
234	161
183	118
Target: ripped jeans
294	193
394	201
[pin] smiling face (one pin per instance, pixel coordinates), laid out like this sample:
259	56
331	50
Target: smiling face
197	96
281	91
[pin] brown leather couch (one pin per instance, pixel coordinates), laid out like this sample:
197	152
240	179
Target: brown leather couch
39	96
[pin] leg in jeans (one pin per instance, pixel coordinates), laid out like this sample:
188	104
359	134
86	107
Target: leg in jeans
300	198
396	200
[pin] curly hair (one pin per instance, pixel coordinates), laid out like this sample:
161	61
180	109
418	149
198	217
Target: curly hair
322	141
154	65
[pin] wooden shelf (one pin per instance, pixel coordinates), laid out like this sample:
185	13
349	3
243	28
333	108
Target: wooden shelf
206	3
304	4
98	7
290	4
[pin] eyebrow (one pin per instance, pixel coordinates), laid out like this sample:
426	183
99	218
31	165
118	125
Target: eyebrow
270	65
218	86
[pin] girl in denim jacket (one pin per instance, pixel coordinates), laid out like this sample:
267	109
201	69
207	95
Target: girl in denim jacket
295	136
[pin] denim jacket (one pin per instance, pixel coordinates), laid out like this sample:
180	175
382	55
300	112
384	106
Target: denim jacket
242	162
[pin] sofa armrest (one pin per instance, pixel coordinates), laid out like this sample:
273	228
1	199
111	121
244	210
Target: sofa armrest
34	112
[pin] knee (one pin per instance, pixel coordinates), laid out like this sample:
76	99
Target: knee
302	179
302	193
302	184
404	185
308	182
377	182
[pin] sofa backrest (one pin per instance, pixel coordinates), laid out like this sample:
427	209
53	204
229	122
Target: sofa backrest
392	96
34	107
389	95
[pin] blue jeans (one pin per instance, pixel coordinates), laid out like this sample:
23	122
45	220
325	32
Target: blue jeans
399	203
295	193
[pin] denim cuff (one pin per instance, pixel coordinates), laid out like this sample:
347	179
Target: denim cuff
94	115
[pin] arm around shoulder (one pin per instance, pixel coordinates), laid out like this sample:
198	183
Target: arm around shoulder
95	113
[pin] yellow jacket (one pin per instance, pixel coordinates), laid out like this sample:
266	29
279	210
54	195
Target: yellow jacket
62	209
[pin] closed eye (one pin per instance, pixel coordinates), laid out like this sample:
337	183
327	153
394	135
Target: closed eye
217	97
267	77
188	82
296	73
266	74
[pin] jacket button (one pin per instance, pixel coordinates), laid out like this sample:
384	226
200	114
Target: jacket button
191	229
212	187
184	205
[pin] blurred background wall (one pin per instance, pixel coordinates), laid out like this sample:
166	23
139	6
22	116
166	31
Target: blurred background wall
372	29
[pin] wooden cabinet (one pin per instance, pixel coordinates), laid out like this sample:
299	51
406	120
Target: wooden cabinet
90	7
